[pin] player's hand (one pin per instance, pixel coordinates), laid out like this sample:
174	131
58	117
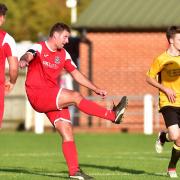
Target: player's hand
170	94
8	87
101	92
23	63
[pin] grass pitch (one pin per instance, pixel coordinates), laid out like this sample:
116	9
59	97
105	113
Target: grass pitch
26	156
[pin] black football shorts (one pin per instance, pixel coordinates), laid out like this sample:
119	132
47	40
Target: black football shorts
171	115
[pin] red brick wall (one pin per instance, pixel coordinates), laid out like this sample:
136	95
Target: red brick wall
121	60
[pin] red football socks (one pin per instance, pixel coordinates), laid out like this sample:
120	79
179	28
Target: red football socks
91	108
70	154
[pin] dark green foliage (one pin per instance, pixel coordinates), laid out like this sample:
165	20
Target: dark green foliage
32	19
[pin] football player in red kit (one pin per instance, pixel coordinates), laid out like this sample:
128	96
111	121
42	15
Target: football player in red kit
7	51
45	61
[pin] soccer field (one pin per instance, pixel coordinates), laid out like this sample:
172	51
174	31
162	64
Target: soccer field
26	156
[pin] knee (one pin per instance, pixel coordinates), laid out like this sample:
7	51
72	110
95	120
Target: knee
174	137
77	97
65	132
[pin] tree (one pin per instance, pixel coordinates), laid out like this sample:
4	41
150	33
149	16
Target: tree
26	20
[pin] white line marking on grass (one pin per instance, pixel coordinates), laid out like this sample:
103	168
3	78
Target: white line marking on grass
136	152
123	155
127	157
124	174
120	154
91	174
29	154
133	153
38	173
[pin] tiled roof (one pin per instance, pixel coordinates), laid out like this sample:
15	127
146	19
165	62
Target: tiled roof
129	14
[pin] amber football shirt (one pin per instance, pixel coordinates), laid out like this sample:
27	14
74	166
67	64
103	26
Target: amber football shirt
167	69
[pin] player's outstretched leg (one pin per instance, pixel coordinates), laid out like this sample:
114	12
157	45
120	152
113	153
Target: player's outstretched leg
115	115
120	109
159	145
81	176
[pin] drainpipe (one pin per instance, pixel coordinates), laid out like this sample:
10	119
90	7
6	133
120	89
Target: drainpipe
85	40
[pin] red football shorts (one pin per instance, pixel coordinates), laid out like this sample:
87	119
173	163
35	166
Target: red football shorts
1	103
59	115
45	100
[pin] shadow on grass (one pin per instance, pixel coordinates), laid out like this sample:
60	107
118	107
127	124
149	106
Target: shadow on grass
38	172
123	170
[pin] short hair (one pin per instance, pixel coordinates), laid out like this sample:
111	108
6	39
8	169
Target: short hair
171	31
3	9
59	27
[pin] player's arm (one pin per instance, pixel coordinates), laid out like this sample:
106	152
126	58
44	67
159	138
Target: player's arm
81	79
13	73
13	69
170	93
151	75
153	82
26	58
11	55
155	68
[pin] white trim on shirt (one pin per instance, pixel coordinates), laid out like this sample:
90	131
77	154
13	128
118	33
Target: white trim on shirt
12	44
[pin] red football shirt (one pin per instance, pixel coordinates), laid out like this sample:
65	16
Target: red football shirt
45	68
7	48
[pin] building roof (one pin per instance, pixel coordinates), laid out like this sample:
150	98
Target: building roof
115	15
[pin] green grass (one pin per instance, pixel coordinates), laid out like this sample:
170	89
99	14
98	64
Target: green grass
26	156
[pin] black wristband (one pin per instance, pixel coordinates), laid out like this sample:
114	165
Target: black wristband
33	52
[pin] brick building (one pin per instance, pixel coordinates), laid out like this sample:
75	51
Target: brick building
126	36
120	39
